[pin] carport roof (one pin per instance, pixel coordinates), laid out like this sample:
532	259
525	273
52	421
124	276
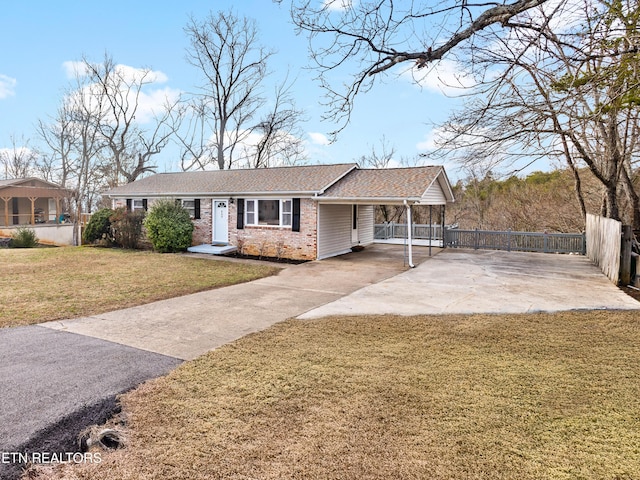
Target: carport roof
422	185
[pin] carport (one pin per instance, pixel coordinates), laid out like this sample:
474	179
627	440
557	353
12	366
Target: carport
347	209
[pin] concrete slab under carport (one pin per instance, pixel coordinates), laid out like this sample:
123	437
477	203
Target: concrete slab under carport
483	281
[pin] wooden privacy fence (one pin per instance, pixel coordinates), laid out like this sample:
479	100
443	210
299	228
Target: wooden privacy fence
604	242
516	241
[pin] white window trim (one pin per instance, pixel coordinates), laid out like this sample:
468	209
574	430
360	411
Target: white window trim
133	204
192	210
256	212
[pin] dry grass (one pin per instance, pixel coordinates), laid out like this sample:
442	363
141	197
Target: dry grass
553	396
52	283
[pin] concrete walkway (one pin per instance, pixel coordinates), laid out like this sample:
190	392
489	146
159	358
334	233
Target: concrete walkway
186	327
486	281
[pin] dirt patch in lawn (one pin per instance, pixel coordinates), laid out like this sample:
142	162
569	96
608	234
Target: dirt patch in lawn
552	396
56	283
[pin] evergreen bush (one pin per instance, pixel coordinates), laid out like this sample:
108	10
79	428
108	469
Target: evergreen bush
99	227
169	227
24	237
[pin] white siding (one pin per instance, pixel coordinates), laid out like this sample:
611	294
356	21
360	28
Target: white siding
365	224
334	230
434	195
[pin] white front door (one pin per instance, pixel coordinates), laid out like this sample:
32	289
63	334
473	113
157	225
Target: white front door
220	221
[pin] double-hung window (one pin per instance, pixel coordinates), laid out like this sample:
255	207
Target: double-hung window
134	204
275	213
190	206
286	213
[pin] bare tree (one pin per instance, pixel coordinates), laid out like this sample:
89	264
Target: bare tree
19	161
225	50
565	91
279	138
60	139
379	159
74	144
367	38
130	147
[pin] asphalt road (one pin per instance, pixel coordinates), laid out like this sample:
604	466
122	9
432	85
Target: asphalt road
54	384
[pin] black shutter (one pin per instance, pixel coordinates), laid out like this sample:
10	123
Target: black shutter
240	224
196	209
145	204
129	204
355	217
295	218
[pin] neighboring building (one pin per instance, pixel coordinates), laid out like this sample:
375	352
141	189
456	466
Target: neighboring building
35	203
305	212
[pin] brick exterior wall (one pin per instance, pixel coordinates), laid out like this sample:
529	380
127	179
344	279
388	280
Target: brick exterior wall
202	228
279	242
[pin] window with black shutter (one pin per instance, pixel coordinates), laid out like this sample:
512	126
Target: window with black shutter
295	220
240	222
196	209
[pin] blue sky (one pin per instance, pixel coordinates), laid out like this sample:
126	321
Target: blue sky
38	37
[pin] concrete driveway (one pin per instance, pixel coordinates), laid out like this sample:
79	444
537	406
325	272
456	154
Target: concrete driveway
486	281
188	326
59	377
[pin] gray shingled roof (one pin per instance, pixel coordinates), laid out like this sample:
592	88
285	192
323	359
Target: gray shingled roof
390	184
309	179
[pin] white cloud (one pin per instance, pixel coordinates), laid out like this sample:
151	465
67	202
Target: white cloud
151	99
445	76
319	138
141	74
338	5
152	102
73	69
7	86
429	142
128	73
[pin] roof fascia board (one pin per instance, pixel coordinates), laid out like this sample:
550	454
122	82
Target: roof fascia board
209	194
368	200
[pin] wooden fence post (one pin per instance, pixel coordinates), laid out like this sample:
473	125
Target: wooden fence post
625	260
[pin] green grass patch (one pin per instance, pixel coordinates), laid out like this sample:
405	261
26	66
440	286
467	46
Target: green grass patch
56	283
554	396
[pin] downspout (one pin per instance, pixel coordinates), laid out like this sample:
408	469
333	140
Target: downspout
409	239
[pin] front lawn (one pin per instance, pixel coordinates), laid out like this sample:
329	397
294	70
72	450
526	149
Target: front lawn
553	396
44	284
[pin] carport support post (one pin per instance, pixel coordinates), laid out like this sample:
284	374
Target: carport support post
430	227
409	240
